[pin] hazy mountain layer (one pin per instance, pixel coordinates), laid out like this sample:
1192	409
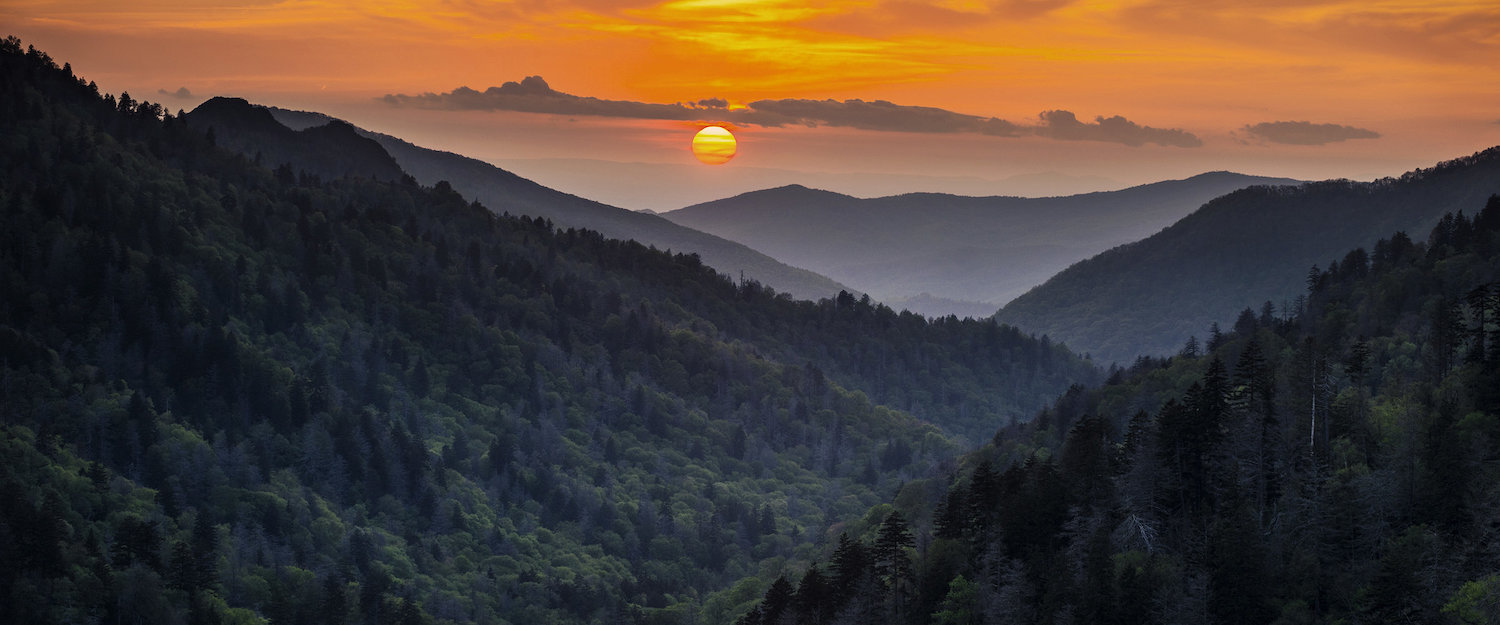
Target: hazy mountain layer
640	186
928	247
1239	251
504	191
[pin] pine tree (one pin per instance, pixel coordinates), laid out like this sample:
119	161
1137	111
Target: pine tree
779	602
333	608
1190	349
948	520
983	499
814	601
1256	388
892	564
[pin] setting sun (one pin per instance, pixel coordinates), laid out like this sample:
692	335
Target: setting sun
714	145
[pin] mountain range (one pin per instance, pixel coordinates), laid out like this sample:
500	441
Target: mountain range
941	254
277	135
1244	250
638	186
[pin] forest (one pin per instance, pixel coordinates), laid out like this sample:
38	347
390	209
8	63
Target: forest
1336	461
242	392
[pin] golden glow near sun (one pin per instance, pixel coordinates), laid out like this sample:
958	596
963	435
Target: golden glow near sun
714	145
1412	71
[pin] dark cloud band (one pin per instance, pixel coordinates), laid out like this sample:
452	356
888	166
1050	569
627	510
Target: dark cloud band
534	95
1307	133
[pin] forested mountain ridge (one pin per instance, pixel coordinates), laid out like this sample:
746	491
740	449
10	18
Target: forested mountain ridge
966	376
332	150
1253	245
1338	463
923	248
505	192
235	395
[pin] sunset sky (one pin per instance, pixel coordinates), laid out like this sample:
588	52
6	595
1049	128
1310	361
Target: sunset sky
863	96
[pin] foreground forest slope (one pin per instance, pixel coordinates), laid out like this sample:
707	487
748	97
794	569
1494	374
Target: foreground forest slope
1338	464
1250	246
505	192
231	394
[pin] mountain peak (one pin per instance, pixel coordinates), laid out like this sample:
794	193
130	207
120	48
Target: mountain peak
791	191
239	112
332	150
224	102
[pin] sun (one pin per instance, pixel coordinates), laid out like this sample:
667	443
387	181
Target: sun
714	145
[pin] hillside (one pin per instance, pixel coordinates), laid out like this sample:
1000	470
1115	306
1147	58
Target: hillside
1252	246
237	395
333	150
944	254
1340	465
506	192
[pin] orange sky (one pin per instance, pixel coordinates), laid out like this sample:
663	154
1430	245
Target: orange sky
1423	76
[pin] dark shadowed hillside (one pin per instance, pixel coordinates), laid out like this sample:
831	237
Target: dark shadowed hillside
1243	249
330	150
946	254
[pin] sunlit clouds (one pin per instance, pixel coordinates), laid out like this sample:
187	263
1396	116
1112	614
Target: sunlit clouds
1223	79
781	48
534	95
773	47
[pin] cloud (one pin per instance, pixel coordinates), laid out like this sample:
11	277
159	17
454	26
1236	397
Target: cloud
534	95
881	115
181	93
1065	125
1308	133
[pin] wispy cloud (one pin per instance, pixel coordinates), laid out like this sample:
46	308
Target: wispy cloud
1117	129
1307	133
876	115
534	95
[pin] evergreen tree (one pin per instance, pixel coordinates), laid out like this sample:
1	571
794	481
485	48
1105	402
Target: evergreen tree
893	565
949	519
1190	348
983	499
779	604
851	563
814	601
